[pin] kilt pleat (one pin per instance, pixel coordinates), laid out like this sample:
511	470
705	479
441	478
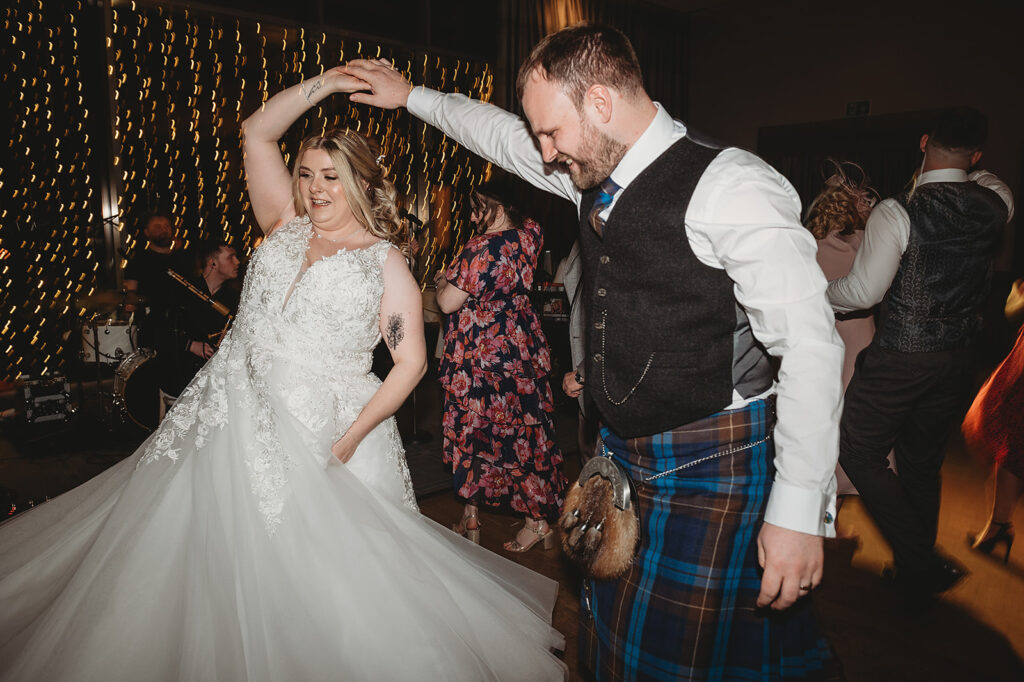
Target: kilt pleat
686	608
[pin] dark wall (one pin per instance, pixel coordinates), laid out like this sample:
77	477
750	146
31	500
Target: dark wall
761	65
464	27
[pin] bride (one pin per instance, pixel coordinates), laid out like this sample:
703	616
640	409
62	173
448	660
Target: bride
268	529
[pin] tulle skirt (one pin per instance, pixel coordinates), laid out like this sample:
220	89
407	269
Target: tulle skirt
168	570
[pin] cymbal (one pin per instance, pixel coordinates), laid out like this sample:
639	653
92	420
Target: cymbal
109	299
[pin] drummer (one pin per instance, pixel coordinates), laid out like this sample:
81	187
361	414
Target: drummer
146	274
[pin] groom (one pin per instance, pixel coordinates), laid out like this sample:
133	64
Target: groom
698	278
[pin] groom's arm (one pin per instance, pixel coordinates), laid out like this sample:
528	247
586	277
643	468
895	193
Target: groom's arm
486	130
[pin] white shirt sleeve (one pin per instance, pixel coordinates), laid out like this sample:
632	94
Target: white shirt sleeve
493	133
886	235
745	217
989	180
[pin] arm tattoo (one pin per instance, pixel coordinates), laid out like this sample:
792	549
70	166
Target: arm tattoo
312	89
394	330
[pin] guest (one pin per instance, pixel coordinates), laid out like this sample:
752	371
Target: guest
928	254
994	428
836	218
498	430
570	272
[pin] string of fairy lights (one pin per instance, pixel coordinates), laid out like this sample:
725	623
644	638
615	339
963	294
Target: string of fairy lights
49	201
183	82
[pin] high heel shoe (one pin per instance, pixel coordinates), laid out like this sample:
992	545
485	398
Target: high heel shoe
548	538
463	529
1003	535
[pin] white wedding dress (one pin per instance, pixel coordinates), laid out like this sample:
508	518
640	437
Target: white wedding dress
233	546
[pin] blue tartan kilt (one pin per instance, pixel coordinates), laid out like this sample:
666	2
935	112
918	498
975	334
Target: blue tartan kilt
686	608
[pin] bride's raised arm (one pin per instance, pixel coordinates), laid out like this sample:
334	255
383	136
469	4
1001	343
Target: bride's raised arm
266	175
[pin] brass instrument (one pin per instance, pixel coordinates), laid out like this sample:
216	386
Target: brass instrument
219	307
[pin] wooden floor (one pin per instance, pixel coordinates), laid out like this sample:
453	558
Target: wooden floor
975	632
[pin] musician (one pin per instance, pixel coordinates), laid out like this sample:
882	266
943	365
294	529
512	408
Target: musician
202	312
146	274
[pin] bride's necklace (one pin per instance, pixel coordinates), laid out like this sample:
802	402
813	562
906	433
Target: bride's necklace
334	241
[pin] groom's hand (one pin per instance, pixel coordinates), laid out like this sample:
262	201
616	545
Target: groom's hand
339	80
793	565
385	87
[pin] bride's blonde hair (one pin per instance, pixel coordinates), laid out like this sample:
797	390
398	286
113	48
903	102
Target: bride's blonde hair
371	196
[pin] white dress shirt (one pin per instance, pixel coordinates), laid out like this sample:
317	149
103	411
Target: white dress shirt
886	235
743	217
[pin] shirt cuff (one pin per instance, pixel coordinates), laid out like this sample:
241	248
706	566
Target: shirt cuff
420	101
807	511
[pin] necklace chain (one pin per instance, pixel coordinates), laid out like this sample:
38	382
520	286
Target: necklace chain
328	239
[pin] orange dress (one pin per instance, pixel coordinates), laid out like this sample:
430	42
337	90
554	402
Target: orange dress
994	425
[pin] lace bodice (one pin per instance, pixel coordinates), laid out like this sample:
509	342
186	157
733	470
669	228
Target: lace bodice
328	314
296	359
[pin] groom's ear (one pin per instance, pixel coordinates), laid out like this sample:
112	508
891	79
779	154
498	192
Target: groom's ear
598	99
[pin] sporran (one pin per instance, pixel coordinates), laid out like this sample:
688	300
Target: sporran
600	522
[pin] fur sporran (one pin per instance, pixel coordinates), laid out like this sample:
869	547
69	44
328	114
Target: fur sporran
600	523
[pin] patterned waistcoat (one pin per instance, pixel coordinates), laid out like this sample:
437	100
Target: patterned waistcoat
935	300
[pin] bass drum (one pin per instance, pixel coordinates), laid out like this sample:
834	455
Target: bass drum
137	388
108	341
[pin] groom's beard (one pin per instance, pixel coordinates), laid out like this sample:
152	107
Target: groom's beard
597	157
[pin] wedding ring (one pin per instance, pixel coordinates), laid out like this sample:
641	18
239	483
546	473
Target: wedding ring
805	588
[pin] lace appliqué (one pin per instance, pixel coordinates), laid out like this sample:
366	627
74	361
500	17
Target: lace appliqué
396	458
208	390
297	355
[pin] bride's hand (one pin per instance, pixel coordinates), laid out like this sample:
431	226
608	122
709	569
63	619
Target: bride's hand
344	448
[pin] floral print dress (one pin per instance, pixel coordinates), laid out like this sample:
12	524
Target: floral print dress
498	430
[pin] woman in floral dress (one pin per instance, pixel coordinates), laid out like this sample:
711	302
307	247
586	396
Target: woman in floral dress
498	430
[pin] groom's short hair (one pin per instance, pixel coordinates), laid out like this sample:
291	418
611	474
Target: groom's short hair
581	56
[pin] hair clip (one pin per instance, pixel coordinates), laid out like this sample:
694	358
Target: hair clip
379	159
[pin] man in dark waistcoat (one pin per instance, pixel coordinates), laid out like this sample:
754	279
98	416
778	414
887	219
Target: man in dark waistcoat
698	279
927	256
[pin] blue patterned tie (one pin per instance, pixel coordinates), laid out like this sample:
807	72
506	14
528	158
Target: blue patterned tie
604	197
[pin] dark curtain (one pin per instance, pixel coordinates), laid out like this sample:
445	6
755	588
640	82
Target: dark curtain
658	37
886	147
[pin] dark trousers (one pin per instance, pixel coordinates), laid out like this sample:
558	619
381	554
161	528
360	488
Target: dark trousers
909	402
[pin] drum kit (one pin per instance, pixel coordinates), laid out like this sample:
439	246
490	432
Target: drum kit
109	338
